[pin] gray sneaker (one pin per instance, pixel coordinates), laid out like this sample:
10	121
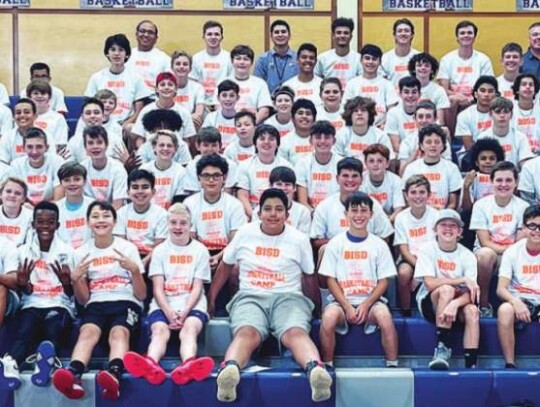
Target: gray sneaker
486	312
320	382
227	380
441	357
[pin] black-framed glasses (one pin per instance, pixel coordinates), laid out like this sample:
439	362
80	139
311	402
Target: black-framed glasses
207	177
532	226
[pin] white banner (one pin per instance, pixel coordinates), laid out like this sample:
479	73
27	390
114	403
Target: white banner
423	5
122	4
268	4
528	5
14	3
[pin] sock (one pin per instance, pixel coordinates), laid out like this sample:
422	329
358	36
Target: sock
391	363
510	366
471	357
406	313
313	364
77	367
116	368
443	335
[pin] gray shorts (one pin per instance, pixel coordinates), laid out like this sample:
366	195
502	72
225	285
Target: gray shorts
343	328
270	313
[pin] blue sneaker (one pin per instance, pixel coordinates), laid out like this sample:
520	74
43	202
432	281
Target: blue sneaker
9	373
45	361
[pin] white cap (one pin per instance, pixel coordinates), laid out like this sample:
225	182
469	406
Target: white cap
449	214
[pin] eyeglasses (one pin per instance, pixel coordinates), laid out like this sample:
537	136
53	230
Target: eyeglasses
149	32
207	177
532	226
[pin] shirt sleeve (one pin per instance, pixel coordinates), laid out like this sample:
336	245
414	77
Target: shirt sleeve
424	265
202	269
479	220
231	250
506	269
119	178
306	253
526	179
330	259
156	267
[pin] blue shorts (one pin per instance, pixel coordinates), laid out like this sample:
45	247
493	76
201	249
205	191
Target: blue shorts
106	315
13	302
159	316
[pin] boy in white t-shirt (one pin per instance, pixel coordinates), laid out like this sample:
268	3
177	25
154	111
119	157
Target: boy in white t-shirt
497	221
511	61
449	293
142	222
526	114
178	270
47	306
296	145
107	178
51	122
316	173
514	143
223	119
108	281
273	259
242	147
15	217
42	71
306	84
518	286
73	227
357	266
332	97
414	227
38	168
283	98
11	144
444	175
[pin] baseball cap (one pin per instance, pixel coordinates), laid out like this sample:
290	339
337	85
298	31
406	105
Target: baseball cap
449	214
283	90
166	75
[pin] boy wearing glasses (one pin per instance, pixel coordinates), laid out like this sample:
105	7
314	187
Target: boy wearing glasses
519	286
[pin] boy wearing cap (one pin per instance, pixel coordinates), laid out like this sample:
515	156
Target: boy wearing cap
274	259
518	286
283	98
449	292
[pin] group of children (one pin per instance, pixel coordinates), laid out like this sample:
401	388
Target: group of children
279	209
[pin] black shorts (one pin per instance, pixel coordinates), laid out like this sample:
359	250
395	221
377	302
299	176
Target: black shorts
426	307
107	315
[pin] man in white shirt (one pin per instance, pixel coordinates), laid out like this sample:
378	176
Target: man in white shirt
42	71
395	62
273	259
148	60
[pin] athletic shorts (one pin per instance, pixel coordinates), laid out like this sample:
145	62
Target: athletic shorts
159	316
106	315
343	328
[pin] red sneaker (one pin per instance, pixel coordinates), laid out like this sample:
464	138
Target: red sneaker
68	384
193	369
141	366
109	384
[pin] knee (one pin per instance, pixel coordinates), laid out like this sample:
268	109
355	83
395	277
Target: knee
293	333
188	331
505	314
446	292
385	322
471	313
118	334
249	334
89	334
486	258
160	331
405	274
329	322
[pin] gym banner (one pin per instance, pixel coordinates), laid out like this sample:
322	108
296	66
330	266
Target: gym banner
14	3
528	5
123	4
425	5
268	4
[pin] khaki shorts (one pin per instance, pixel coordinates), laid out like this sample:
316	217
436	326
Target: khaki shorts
270	314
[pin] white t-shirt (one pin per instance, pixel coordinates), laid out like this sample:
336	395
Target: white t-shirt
142	229
47	289
444	178
396	67
436	93
190	95
330	64
270	264
529	181
283	129
522	269
56	103
40	181
400	123
9	256
306	90
180	266
434	262
108	281
334	118
237	153
471	122
415	232
114	137
148	64
254	94
515	145
505	87
107	184
295	148
319	179
19	229
226	127
6	120
55	127
379	89
11	146
192	184
299	217
214	222
169	183
528	122
350	144
254	176
329	219
187	130
73	228
502	223
357	266
389	193
211	70
463	73
128	87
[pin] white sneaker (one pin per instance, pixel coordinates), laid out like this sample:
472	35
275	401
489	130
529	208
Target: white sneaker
227	380
320	382
10	378
441	357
